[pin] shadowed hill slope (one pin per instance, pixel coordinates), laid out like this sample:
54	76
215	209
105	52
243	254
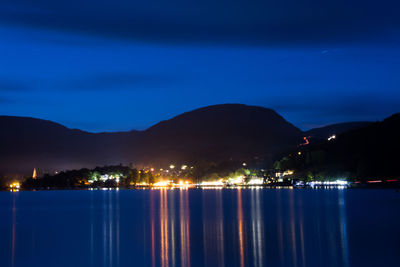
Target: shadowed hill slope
214	133
220	132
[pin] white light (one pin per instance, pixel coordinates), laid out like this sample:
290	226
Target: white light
328	183
237	180
161	183
256	181
331	137
212	183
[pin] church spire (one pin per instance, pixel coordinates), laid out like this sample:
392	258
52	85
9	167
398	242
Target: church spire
34	175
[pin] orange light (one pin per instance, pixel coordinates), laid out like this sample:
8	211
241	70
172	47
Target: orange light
161	184
15	185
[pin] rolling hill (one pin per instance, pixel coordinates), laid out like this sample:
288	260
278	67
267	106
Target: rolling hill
214	133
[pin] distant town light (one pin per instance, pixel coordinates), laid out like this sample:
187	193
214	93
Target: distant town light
171	166
331	137
212	183
244	164
328	183
288	172
15	185
256	181
161	184
236	180
184	167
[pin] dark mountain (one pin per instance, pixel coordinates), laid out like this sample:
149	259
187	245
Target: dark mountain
370	152
335	129
218	133
27	142
215	133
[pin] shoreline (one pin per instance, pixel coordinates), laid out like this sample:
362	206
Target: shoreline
365	187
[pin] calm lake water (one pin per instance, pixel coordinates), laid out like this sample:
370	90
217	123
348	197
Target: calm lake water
200	227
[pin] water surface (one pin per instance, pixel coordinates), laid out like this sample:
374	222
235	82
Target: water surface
200	227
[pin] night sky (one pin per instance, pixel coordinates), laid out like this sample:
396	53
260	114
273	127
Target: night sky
122	65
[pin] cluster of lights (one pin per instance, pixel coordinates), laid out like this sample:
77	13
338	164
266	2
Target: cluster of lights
288	172
285	173
328	183
183	183
106	177
168	183
236	181
212	183
15	185
256	181
162	184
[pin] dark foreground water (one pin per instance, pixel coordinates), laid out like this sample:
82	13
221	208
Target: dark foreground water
229	227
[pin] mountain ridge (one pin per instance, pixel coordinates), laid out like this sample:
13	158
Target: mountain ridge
215	133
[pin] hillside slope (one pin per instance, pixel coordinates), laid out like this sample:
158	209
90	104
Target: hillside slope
214	133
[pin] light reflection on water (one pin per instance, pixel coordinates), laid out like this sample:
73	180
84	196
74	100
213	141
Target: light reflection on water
234	227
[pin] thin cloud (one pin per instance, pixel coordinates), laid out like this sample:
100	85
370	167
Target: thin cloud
120	81
7	85
6	101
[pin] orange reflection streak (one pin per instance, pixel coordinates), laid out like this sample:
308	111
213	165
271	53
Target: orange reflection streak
171	236
220	233
164	227
14	211
187	228
240	220
184	227
183	241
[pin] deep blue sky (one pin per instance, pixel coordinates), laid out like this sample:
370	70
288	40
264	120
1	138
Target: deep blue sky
121	65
